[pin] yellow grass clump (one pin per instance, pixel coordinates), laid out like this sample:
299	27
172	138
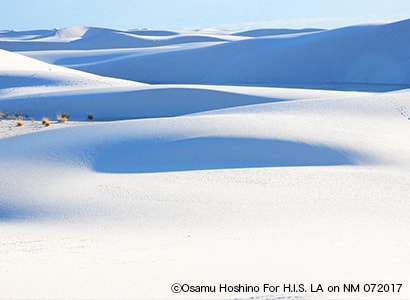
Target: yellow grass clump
20	123
61	119
45	122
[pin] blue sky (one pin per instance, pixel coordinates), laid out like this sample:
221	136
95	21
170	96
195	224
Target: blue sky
179	14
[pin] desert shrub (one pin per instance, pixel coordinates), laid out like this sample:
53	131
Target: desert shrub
62	119
20	123
90	117
45	122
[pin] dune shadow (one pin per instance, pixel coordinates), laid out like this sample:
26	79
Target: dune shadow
134	104
12	213
213	153
149	32
23	81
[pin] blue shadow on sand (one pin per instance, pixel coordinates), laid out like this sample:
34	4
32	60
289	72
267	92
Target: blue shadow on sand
207	153
10	212
23	81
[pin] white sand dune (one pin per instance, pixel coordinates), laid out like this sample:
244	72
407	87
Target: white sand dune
39	89
22	75
198	183
366	55
89	38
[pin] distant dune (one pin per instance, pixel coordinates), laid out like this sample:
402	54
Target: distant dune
367	55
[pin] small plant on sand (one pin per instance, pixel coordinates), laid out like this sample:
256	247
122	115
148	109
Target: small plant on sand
90	117
61	119
20	123
4	115
45	122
